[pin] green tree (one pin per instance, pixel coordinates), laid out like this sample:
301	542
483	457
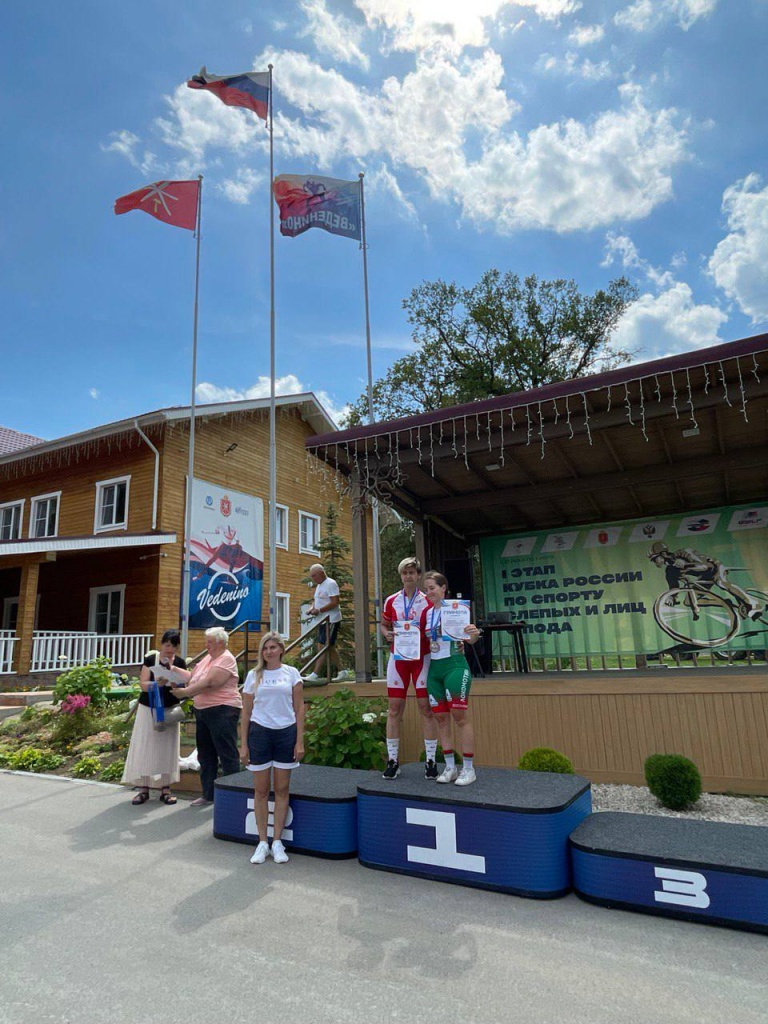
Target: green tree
499	336
396	544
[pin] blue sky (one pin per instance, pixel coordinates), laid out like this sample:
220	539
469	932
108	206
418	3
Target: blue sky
563	138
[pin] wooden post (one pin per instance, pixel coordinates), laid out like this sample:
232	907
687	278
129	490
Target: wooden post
360	583
25	623
419	545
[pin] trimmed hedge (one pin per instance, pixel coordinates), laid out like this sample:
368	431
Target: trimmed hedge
673	779
545	759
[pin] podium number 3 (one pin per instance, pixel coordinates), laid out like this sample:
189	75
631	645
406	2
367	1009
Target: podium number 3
683	888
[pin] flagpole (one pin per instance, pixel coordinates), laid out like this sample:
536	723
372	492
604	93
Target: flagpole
272	428
374	502
191	466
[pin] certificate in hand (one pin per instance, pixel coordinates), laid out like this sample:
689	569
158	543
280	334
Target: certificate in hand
456	618
161	672
407	641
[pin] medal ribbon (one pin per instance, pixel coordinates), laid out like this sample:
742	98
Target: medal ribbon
437	626
408	605
156	702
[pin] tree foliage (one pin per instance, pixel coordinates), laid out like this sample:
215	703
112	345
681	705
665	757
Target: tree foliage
499	336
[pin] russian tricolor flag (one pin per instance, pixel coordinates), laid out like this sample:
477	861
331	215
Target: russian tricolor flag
249	90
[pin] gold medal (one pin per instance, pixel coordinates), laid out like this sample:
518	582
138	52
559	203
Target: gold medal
434	647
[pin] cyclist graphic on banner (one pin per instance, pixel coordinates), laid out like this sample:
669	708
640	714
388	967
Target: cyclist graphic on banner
690	610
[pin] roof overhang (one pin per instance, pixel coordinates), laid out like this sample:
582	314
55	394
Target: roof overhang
35	546
685	432
308	403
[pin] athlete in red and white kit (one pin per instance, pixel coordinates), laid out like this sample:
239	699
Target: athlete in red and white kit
407	605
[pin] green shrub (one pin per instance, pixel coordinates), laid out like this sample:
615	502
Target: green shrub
33	759
673	779
92	680
343	731
87	767
545	759
113	772
71	728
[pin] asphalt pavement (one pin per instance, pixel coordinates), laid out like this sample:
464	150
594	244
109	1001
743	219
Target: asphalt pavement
112	913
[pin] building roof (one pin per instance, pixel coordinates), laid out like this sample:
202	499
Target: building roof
13	441
686	432
310	406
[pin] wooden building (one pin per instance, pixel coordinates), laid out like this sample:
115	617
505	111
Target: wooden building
92	527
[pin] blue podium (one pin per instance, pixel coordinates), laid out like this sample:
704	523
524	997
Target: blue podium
322	814
507	832
706	871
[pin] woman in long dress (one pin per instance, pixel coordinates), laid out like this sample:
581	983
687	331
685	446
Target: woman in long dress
153	754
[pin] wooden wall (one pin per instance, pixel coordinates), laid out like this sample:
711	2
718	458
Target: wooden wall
608	726
77	477
246	469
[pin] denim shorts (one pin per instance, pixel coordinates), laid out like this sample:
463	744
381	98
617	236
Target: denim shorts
271	748
321	633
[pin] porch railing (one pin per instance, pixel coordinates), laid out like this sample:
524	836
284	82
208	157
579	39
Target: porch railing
7	642
54	651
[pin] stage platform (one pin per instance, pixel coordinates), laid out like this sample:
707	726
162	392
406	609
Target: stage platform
507	832
608	722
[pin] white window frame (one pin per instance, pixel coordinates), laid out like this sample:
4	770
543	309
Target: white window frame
284	543
93	594
8	604
309	515
100	485
33	514
286	598
20	505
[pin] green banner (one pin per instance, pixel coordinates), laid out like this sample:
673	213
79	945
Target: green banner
675	583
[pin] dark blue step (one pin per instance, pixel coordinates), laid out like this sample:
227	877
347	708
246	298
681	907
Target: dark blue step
707	871
322	819
507	832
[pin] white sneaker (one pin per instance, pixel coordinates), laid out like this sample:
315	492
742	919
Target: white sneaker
279	856
448	775
343	676
466	777
260	854
313	677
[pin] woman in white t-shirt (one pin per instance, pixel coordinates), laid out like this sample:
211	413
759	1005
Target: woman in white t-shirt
272	737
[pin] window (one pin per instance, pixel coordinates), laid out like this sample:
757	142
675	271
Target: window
283	614
10	520
105	614
281	521
309	533
111	504
44	519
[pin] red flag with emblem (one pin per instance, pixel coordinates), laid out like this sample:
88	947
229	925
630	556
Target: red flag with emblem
173	202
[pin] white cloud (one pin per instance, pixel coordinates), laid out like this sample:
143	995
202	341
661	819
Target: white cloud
586	35
287	385
127	145
665	320
739	261
94	393
382	181
199	120
449	25
334	34
660	325
644	15
573	65
240	188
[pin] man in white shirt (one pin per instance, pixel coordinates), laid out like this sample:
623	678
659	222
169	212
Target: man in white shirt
326	601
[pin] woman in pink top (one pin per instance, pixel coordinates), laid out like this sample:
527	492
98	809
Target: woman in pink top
217	701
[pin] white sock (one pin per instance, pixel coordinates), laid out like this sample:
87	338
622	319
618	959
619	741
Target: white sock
431	748
468	761
393	750
450	760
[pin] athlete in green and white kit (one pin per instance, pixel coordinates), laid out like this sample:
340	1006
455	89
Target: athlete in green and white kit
448	682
